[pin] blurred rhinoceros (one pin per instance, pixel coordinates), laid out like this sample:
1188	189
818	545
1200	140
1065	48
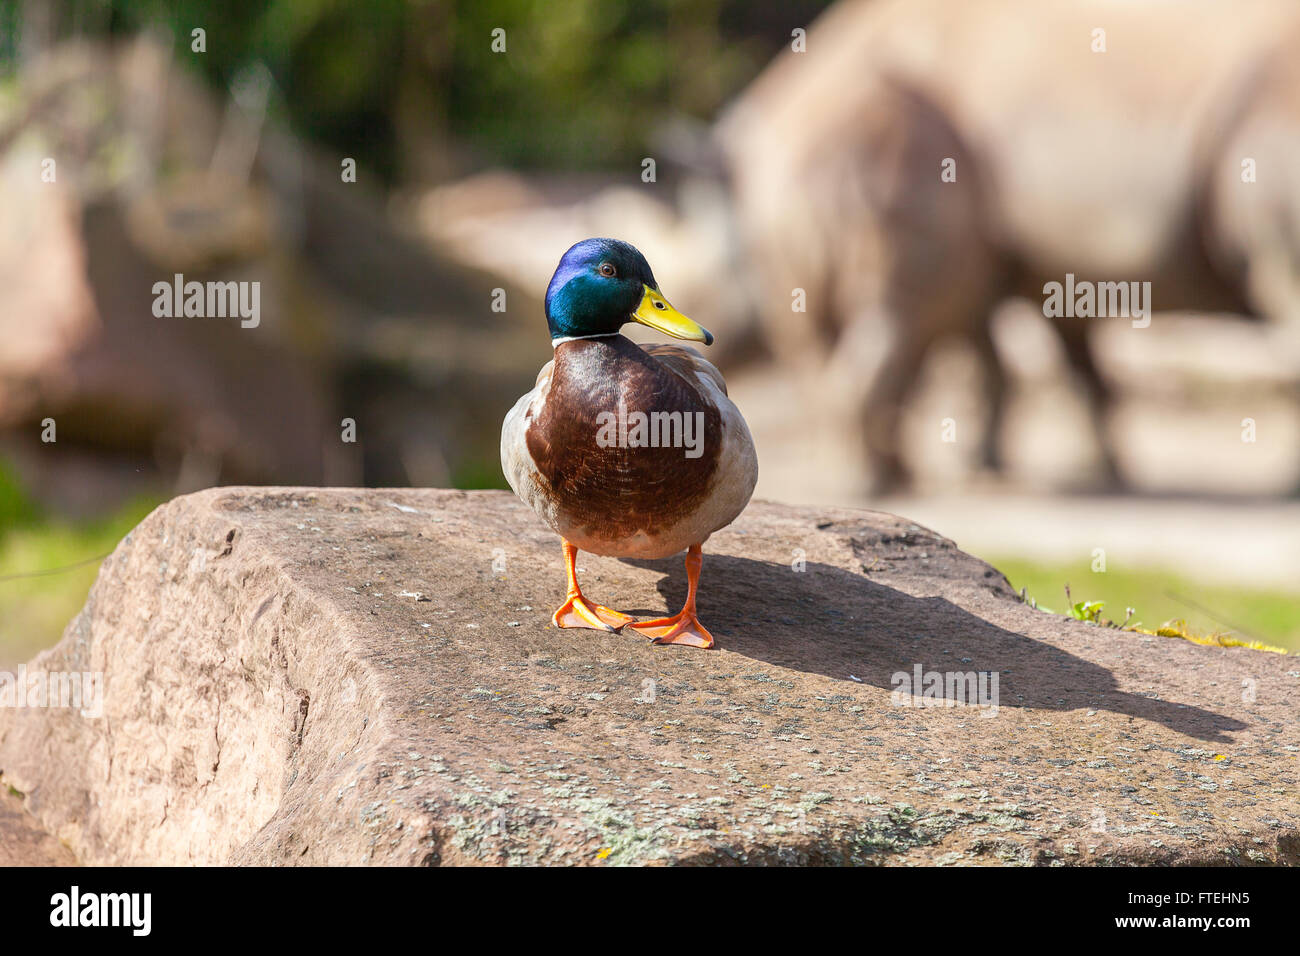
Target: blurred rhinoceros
1110	141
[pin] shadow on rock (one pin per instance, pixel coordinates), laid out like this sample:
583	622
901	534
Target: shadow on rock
838	624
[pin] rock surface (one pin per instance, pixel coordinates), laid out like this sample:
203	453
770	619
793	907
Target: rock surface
346	676
23	842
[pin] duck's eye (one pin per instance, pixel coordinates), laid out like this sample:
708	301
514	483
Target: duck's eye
607	269
660	305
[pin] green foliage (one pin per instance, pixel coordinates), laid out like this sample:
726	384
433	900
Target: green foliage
582	83
1253	614
17	510
45	574
1086	610
8	34
477	475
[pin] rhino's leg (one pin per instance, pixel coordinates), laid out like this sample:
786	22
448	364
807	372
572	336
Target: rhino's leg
881	415
1097	393
887	347
994	380
872	371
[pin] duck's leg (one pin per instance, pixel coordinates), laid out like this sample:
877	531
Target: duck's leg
683	627
577	611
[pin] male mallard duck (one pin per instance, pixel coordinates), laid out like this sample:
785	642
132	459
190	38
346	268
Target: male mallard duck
626	450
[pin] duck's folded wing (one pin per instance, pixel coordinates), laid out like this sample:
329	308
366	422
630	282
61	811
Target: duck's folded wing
737	463
515	460
687	362
545	374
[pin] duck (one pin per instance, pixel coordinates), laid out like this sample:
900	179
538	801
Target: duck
627	450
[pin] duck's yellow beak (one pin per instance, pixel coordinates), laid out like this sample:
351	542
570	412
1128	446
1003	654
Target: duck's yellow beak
655	312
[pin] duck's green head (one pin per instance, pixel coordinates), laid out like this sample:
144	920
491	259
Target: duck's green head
601	284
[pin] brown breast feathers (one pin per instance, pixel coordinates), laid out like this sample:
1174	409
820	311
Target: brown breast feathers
624	442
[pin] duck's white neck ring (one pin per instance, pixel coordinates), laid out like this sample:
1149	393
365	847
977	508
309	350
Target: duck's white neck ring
574	338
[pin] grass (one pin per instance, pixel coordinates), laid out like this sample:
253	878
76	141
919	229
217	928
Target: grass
1159	598
47	566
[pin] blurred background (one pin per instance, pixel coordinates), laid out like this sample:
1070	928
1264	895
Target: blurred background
863	200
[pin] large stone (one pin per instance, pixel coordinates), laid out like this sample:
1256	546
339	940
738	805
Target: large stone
22	842
345	676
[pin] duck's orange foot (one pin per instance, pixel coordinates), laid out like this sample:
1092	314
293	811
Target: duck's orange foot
578	612
682	628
